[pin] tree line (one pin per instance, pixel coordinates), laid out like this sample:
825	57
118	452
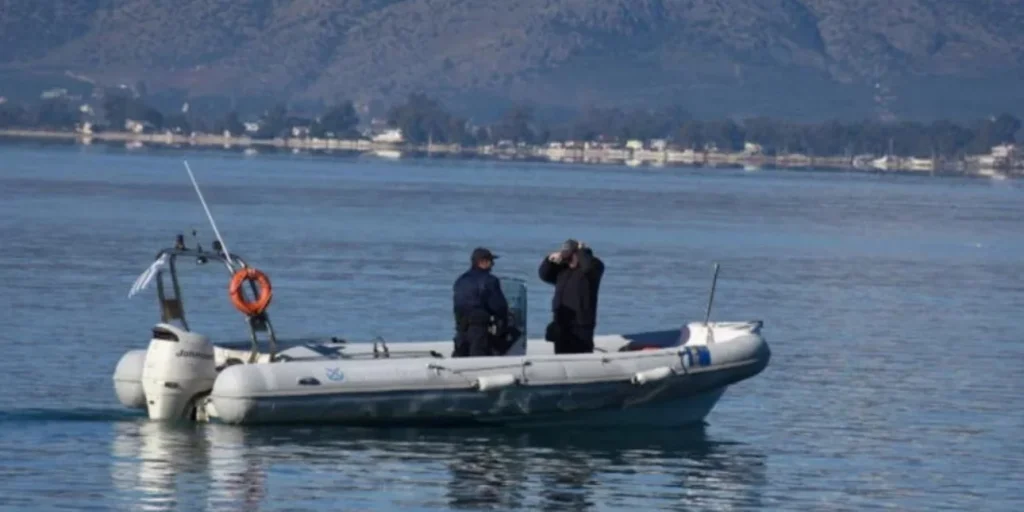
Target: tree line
423	119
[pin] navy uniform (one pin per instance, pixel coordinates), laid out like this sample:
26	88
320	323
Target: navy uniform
477	297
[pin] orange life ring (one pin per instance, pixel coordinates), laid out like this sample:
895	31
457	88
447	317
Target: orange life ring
238	299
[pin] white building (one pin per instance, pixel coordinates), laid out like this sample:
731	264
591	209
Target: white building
54	93
393	135
1003	151
134	126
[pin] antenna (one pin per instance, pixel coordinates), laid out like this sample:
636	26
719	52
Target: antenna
209	216
711	297
709	335
195	236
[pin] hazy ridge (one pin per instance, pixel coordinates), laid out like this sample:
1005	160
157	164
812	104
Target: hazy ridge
795	58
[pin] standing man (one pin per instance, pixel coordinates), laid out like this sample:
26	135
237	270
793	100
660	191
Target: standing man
477	297
576	274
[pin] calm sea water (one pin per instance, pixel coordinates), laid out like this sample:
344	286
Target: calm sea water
892	304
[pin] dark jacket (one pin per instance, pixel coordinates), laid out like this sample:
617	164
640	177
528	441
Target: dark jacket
477	296
576	289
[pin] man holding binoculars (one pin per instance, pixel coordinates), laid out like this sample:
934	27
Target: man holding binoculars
576	275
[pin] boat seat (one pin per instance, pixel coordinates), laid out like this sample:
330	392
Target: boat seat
282	344
309	353
656	339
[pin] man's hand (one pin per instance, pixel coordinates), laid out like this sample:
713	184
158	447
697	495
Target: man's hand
555	257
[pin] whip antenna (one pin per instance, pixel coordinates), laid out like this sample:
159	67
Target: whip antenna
209	216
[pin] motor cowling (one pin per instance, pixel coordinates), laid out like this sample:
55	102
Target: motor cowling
179	369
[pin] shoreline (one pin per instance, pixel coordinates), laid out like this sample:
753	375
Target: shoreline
603	154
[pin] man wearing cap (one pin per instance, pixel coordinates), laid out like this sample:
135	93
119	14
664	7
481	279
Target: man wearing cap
576	274
477	297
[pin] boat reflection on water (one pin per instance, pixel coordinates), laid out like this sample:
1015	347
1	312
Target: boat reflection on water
158	466
214	467
580	469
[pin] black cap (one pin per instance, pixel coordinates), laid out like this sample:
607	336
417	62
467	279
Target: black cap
569	247
482	254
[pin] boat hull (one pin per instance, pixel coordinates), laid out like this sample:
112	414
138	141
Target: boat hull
618	385
458	409
673	386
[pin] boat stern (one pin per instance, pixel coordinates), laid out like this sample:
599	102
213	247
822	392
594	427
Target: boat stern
179	369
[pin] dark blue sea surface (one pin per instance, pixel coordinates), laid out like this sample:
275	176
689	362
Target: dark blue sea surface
892	305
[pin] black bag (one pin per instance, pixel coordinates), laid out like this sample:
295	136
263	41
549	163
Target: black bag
553	333
502	343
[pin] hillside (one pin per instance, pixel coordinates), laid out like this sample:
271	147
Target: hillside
789	58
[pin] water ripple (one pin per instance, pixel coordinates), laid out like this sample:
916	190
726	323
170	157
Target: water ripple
891	303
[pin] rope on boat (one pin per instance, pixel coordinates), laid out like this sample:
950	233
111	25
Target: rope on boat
490	382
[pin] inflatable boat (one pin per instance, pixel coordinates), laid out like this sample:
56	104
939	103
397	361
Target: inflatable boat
667	377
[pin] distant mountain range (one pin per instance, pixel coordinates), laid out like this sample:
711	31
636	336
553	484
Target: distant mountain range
799	59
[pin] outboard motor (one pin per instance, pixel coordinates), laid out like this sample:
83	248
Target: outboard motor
179	369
